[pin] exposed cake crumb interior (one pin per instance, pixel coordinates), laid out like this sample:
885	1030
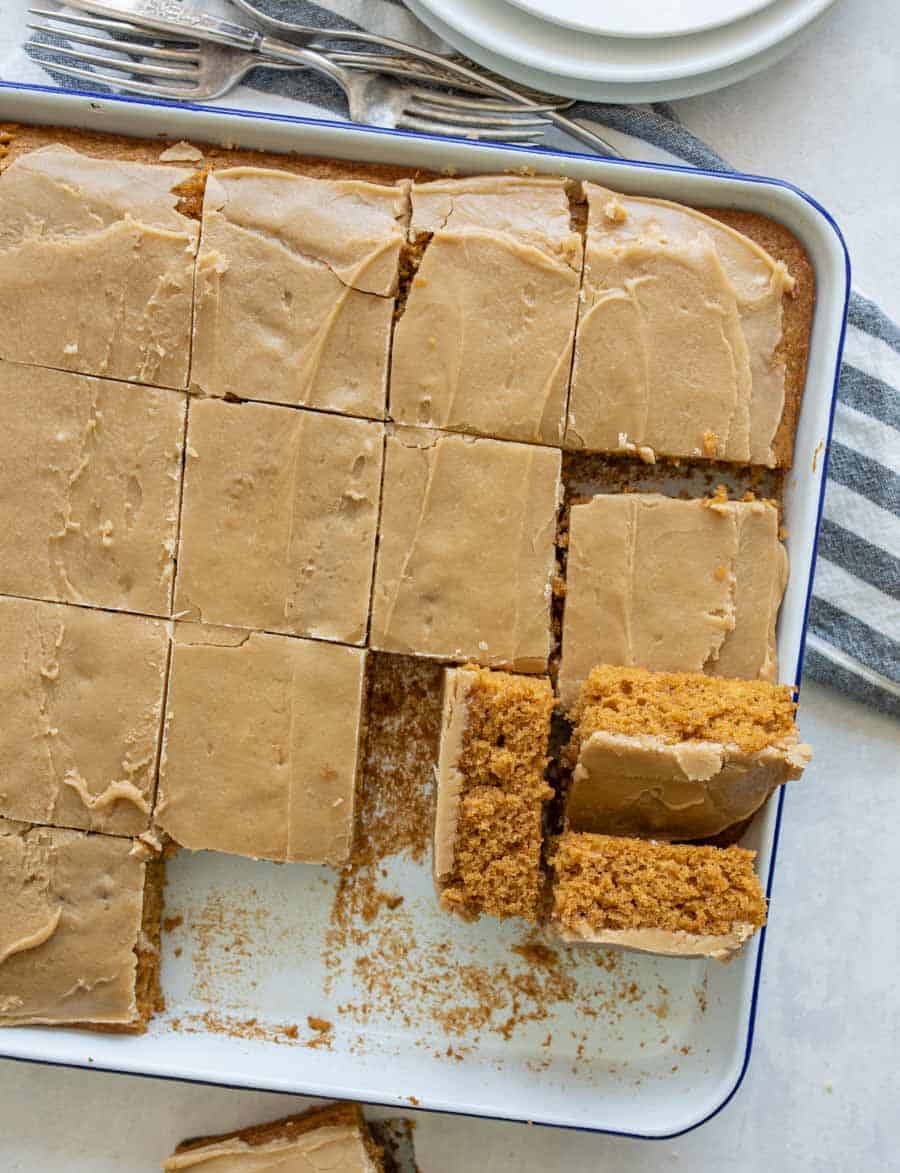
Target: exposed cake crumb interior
498	837
684	706
617	883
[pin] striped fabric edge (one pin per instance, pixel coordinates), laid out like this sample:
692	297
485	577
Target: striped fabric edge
864	475
853	641
870	395
865	315
855	554
829	665
849	631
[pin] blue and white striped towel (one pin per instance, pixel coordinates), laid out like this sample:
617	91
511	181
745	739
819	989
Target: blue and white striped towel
854	632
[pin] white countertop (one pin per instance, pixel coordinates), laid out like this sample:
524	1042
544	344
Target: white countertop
823	1086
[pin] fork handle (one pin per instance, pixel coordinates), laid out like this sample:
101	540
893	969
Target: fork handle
278	50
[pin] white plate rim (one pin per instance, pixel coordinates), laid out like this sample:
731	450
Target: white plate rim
617	92
561	15
513	34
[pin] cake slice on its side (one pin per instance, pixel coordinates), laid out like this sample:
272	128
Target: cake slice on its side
334	1137
79	929
491	792
675	899
677	755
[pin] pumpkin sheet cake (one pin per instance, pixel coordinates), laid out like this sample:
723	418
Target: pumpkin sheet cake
264	413
677	755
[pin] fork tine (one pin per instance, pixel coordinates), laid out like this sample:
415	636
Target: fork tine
120	83
108	23
469	119
124	66
118	46
500	134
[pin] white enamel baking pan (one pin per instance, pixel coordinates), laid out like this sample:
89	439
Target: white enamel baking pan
654	1064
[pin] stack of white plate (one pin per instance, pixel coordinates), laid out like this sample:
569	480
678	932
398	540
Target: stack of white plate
626	50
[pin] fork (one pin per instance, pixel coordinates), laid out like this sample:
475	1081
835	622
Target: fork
156	65
460	67
192	18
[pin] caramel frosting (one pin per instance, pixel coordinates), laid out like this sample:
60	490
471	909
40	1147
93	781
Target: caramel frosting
296	281
677	335
70	918
89	486
81	695
181	152
261	745
667	942
534	208
331	1148
485	340
641	785
448	778
466	552
672	585
279	518
760	578
96	266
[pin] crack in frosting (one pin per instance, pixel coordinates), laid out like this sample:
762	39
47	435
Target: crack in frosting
485	341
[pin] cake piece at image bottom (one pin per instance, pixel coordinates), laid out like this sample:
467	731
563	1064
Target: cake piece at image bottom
335	1138
678	899
79	929
261	745
491	792
677	755
82	696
